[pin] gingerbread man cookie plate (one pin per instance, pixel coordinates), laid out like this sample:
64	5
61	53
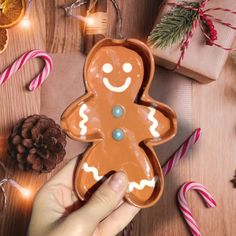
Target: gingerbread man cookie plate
121	120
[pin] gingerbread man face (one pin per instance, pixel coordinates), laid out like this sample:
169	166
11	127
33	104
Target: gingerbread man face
121	120
114	71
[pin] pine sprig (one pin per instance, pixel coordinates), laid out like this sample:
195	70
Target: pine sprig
174	26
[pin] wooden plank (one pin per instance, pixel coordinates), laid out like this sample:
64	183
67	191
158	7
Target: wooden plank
212	162
90	40
15	103
63	34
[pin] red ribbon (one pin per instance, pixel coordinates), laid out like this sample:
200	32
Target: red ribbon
203	14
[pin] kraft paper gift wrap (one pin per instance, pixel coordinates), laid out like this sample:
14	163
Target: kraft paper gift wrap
201	62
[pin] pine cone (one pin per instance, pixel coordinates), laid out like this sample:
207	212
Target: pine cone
37	143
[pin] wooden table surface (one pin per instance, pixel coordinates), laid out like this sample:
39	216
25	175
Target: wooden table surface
212	163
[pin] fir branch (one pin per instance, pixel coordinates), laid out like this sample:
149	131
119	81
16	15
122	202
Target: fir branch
174	26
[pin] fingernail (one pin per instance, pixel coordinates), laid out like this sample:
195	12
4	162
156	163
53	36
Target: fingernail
118	181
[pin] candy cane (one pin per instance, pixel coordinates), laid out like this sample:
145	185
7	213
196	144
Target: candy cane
40	78
183	206
181	152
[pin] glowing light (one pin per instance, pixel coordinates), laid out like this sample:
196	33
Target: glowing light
25	192
25	22
90	21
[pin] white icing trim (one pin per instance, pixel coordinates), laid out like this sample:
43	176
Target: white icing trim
115	89
132	185
92	170
154	122
143	183
84	119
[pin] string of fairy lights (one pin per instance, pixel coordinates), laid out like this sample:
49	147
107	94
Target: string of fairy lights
13	183
89	20
25	22
94	22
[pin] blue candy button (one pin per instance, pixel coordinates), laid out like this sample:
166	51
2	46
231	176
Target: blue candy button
118	134
117	111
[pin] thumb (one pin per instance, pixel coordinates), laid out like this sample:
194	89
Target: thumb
107	197
104	201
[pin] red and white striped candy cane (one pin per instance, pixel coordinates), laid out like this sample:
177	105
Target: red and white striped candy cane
40	78
183	205
181	152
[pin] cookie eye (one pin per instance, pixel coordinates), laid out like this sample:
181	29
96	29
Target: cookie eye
127	67
107	68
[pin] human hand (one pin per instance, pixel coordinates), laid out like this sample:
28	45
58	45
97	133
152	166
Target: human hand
57	211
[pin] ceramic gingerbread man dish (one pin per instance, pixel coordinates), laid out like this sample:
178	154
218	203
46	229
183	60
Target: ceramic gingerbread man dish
121	120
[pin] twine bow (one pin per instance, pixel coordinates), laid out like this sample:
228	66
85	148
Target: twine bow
205	21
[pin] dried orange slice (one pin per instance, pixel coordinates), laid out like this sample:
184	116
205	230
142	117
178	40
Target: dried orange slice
11	12
3	40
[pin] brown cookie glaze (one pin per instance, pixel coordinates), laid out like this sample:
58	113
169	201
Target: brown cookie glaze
121	120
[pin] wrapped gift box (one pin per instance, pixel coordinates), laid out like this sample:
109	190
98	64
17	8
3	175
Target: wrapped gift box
202	62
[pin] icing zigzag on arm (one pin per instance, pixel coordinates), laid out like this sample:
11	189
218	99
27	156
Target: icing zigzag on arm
92	170
84	119
154	125
143	183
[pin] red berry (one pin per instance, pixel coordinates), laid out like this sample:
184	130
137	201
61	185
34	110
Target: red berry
211	27
200	12
209	22
208	42
213	32
213	37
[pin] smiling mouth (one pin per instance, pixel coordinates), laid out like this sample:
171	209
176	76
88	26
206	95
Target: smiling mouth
117	89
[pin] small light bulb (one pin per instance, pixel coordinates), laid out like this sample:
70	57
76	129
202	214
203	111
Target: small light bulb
25	22
90	21
25	192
